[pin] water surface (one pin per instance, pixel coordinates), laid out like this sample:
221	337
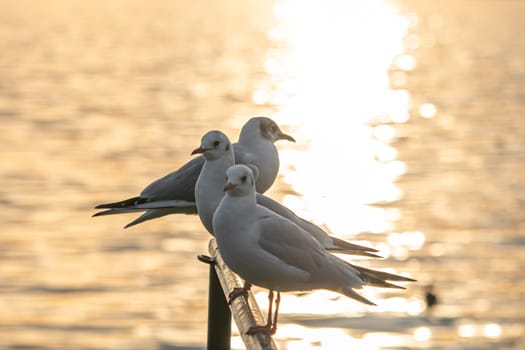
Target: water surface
408	118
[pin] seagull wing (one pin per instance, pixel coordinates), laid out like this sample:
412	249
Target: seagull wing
179	184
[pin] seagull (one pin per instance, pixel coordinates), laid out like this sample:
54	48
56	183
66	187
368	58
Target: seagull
217	151
175	192
219	156
270	251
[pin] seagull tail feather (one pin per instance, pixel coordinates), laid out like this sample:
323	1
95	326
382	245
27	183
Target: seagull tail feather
159	212
342	244
349	292
116	211
375	275
122	204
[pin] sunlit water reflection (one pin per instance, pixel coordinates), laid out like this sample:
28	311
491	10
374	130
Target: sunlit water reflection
341	74
330	81
337	85
410	139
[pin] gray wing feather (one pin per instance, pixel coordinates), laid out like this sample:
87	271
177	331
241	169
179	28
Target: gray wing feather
179	184
315	231
293	246
289	243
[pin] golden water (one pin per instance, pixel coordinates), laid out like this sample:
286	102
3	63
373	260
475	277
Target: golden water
408	118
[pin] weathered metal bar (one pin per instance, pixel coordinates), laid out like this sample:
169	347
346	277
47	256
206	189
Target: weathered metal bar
245	310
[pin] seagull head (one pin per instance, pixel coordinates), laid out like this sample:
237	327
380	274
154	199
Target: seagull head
265	128
240	180
214	144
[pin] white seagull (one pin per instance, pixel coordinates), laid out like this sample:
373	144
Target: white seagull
219	156
272	252
209	190
175	192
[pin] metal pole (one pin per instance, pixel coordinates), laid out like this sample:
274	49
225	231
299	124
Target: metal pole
219	314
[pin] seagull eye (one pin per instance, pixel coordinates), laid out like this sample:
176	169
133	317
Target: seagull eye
215	144
273	128
243	179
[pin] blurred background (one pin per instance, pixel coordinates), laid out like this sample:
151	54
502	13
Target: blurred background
408	117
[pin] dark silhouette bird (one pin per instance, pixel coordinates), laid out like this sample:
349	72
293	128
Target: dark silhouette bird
431	298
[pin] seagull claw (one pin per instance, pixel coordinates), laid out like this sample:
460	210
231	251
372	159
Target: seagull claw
268	329
237	292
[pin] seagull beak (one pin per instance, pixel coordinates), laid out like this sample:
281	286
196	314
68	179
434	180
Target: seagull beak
282	136
229	186
198	150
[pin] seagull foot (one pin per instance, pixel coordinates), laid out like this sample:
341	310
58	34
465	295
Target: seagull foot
269	330
237	292
271	325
